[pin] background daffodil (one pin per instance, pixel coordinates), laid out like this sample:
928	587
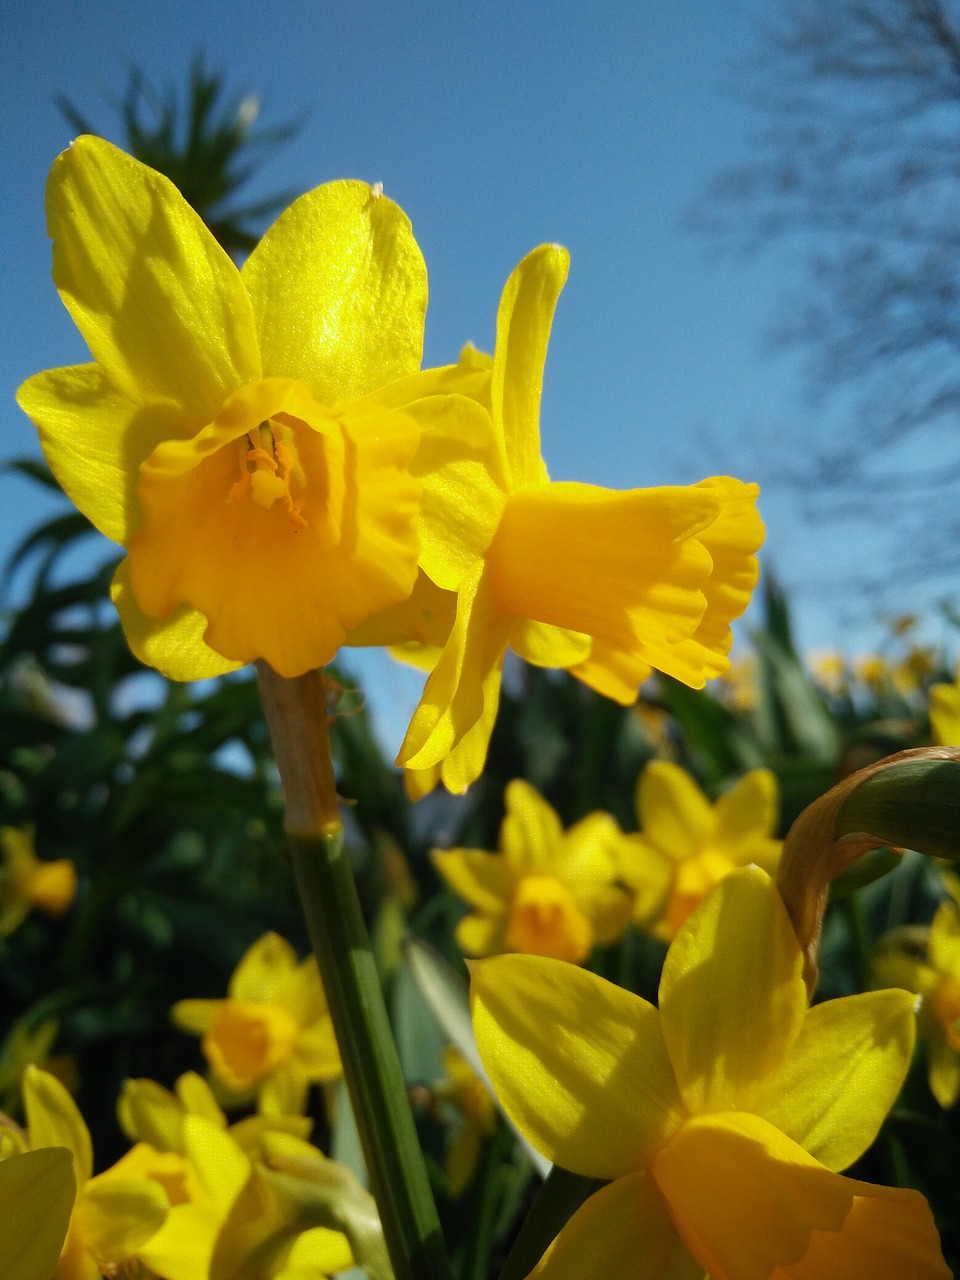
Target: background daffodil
692	843
927	961
28	883
547	892
114	1215
225	433
606	584
720	1118
945	712
272	1035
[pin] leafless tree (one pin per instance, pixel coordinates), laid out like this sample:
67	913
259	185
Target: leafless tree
857	159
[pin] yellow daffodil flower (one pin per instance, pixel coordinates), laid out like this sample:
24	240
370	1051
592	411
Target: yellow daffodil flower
686	844
37	1192
226	433
829	670
722	1118
272	1035
606	584
218	1198
945	712
113	1215
927	961
27	883
547	892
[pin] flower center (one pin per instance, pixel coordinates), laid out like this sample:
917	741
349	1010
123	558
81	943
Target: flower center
695	878
267	459
248	1040
546	921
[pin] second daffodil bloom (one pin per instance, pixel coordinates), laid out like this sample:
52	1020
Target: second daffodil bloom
548	892
686	844
606	584
225	434
272	1035
720	1119
28	883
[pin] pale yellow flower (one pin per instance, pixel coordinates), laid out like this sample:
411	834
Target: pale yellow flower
27	883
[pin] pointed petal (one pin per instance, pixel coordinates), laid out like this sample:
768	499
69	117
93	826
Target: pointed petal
748	810
586	856
624	567
196	1016
183	1247
842	1075
117	1215
174	645
524	320
220	1164
530	830
94	439
804	1220
943	1068
37	1191
54	1120
673	813
265	971
149	1113
546	646
732	996
615	673
463	690
482	879
160	304
625	1231
339	291
579	1064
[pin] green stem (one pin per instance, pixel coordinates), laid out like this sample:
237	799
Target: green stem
297	718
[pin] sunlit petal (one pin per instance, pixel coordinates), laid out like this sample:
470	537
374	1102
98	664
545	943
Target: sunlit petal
531	828
54	1120
579	1064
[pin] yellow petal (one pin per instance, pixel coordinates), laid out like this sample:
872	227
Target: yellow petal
615	673
748	810
732	996
265	972
422	621
463	495
149	1113
197	1097
624	1230
482	879
579	1064
545	920
248	1041
546	646
673	813
174	645
649	874
37	1191
220	1164
524	319
284	1091
94	439
183	1247
279	579
197	1016
750	1204
842	1075
117	1215
53	886
530	829
318	1249
945	712
943	1069
339	291
317	1051
625	567
54	1120
161	305
482	935
464	688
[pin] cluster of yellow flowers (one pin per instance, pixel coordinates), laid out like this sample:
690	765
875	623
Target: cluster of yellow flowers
286	480
555	893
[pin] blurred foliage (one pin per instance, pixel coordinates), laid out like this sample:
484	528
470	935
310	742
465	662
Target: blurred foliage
205	142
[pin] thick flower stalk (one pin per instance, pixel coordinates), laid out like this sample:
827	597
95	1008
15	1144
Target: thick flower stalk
547	892
605	584
721	1118
225	434
686	844
272	1036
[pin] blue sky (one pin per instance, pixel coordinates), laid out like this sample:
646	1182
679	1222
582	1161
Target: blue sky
496	127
